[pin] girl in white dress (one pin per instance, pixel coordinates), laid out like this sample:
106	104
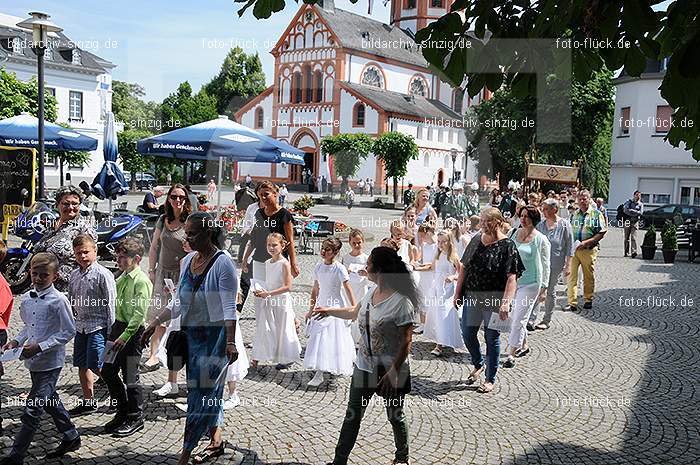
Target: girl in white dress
330	347
355	262
276	339
424	268
442	322
459	241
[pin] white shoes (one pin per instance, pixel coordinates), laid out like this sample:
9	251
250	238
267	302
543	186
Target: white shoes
232	401
168	389
317	379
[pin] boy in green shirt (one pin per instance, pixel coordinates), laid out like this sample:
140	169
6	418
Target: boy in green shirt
133	296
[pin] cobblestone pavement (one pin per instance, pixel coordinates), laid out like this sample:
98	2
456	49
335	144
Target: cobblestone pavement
613	385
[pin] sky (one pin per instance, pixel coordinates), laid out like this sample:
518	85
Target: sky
161	43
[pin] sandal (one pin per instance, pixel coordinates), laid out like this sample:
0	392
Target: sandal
485	388
522	352
209	453
474	376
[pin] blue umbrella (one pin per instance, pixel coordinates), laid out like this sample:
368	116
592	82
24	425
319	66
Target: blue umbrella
220	138
110	181
22	130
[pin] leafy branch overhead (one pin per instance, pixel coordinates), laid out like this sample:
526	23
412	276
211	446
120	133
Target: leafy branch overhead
603	34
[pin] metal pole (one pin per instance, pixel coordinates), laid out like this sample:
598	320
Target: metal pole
40	72
218	188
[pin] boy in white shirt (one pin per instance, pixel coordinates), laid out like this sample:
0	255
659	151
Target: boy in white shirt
48	326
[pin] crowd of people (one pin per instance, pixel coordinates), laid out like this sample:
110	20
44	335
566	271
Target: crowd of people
448	267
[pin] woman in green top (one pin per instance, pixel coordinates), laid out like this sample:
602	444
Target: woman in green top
533	248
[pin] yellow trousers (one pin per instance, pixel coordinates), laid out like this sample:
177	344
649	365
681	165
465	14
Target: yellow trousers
585	258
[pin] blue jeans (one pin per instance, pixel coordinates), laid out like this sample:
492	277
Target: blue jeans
42	396
472	318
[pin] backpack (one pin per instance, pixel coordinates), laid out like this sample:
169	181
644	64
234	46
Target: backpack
621	216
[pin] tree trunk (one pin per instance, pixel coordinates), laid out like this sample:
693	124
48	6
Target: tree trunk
396	190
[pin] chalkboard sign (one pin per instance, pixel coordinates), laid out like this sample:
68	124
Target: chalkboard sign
16	173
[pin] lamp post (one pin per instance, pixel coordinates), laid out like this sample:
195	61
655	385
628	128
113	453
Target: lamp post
40	25
453	154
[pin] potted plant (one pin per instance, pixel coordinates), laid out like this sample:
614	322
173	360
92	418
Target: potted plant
669	242
649	244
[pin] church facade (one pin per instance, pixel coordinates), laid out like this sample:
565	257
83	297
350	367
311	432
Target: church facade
338	72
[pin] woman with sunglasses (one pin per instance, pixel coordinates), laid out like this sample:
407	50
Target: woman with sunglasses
533	248
164	259
59	237
206	305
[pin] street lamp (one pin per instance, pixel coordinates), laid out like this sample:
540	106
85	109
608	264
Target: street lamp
453	154
40	26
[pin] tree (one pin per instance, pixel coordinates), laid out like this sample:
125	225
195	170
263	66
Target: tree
348	152
76	158
129	108
395	150
17	97
188	109
241	77
510	147
630	31
131	159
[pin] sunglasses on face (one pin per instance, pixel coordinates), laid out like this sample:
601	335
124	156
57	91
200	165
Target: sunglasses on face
178	198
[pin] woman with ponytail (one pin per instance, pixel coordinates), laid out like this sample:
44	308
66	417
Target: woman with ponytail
386	317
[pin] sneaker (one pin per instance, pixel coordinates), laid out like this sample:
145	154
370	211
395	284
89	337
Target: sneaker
588	305
83	408
509	363
317	379
63	448
168	389
570	308
542	326
128	428
232	401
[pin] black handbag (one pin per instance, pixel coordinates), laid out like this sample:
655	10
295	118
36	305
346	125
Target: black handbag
404	373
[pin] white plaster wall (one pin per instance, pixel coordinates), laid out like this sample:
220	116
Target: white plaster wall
396	79
347	102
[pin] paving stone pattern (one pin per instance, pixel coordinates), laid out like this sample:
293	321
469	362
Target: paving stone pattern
613	385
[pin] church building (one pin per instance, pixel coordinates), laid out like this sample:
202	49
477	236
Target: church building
339	72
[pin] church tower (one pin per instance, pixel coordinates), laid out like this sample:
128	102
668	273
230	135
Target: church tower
414	15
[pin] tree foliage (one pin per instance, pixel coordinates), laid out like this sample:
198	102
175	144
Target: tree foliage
132	161
129	108
395	150
241	77
630	31
510	148
186	108
17	97
348	152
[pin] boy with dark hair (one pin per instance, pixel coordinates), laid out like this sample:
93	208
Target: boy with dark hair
133	295
48	326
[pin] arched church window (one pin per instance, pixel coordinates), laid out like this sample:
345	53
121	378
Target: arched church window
418	87
373	77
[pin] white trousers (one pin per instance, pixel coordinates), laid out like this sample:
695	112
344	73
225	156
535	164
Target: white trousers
525	298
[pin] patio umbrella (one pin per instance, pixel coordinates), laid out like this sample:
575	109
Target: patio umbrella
110	182
218	139
22	130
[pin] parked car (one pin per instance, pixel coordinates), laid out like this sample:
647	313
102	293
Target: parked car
143	180
658	216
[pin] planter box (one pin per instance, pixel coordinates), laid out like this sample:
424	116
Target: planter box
669	255
648	252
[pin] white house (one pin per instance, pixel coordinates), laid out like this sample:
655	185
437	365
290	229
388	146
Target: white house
80	81
641	159
339	72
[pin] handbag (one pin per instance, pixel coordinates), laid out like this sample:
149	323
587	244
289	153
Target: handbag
404	373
